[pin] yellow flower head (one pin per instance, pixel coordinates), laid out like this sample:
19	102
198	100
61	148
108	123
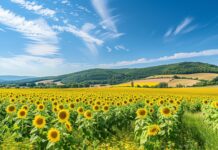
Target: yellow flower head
80	110
141	113
10	109
105	108
88	114
40	107
153	130
96	108
53	135
68	126
39	121
165	111
63	115
214	104
22	113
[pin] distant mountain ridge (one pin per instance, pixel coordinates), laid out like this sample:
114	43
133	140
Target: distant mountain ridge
115	76
13	78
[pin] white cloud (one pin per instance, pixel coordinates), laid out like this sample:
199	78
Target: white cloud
29	65
83	9
108	21
32	6
88	27
181	28
41	49
90	41
210	52
37	31
183	24
169	32
65	2
121	47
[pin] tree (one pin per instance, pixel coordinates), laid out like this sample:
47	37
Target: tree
132	84
162	85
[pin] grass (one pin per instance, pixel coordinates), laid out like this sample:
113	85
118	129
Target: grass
204	137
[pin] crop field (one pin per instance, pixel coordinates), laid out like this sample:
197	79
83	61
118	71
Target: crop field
109	118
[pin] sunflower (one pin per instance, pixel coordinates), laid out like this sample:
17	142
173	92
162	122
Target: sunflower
71	105
141	113
22	113
40	107
205	102
10	109
25	107
151	110
88	114
68	126
153	130
54	109
214	104
96	107
160	102
39	121
53	135
61	106
80	110
105	108
63	115
165	111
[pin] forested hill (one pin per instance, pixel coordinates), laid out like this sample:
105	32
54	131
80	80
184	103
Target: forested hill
114	76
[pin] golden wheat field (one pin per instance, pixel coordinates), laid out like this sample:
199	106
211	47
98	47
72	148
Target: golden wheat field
109	118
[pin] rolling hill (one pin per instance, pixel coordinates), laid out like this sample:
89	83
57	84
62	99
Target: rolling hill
13	78
116	76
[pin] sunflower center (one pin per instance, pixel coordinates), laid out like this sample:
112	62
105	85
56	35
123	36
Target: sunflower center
142	112
106	108
11	108
88	114
153	130
22	113
166	110
62	115
39	121
72	105
54	134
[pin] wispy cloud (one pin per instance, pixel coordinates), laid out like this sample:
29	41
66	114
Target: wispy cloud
29	65
32	6
90	41
121	47
176	56
83	8
108	21
169	32
183	27
43	40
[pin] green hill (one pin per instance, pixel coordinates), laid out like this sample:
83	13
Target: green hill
115	76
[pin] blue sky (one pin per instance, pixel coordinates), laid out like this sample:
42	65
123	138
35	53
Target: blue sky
52	37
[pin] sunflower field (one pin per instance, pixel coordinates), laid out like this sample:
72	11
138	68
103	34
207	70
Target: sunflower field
109	118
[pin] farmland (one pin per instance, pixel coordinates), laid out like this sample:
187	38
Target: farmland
186	80
109	118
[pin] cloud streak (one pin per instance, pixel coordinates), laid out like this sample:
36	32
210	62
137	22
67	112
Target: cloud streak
43	39
176	56
32	6
183	27
90	41
108	21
